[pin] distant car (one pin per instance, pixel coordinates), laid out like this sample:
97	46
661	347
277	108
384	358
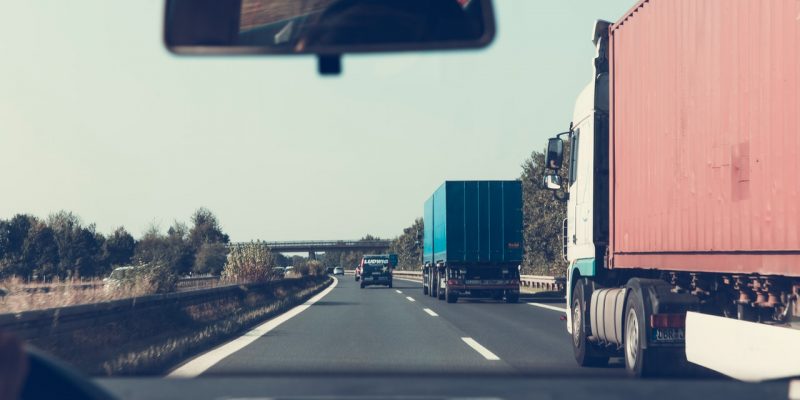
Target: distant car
288	270
338	271
121	276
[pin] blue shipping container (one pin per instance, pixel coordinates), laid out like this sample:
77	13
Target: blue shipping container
474	222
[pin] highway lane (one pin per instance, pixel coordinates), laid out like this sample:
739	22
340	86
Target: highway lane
400	330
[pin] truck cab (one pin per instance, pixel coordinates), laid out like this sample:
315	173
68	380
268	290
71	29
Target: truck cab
585	190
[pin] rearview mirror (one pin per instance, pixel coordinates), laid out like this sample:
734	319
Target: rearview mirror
552	182
326	27
555	154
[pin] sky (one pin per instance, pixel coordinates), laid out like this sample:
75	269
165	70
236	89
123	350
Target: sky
97	118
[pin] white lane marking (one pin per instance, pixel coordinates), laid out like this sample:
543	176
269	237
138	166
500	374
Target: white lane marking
410	298
554	308
203	362
480	349
431	312
398	291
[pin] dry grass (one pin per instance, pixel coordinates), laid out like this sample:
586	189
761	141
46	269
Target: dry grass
20	296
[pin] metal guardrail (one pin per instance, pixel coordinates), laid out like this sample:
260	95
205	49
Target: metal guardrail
63	320
549	283
320	244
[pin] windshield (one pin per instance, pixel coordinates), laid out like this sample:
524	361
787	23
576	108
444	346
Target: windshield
238	186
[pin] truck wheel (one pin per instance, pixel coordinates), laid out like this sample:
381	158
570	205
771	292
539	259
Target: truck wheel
390	284
362	285
424	289
585	352
356	278
512	297
451	296
441	295
639	362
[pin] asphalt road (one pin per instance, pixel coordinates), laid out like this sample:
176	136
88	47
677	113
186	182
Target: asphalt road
382	330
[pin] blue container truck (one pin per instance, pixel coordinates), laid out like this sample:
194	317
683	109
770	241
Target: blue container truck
472	240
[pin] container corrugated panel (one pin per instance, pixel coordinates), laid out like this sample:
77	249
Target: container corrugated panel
705	120
474	222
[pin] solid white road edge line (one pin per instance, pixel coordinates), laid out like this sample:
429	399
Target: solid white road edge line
431	312
554	308
203	362
410	298
480	349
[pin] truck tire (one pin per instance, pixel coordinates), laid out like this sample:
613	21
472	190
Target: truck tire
390	284
639	362
362	285
586	354
441	294
512	297
357	278
424	289
452	297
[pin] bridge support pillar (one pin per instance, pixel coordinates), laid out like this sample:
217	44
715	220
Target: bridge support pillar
312	255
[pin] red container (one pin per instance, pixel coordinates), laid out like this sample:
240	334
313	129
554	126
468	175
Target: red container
705	136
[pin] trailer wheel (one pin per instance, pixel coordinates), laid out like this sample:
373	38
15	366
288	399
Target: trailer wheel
585	352
639	362
451	296
512	297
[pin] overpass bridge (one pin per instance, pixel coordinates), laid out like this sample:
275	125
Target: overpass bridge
315	246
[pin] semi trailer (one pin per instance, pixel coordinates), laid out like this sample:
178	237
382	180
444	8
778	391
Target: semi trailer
472	240
683	210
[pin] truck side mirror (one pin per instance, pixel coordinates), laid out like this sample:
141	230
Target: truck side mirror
552	182
555	154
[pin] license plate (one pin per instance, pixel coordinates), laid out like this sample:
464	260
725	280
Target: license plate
669	335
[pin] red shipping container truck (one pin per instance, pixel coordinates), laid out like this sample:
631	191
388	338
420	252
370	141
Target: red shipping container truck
683	228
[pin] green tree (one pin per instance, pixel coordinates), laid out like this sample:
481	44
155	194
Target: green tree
78	246
118	248
408	246
40	252
206	229
172	249
210	259
542	220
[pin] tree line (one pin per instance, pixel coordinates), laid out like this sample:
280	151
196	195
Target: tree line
63	246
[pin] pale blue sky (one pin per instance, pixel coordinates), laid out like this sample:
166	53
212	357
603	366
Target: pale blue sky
97	118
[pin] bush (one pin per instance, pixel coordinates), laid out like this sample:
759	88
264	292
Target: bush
311	268
251	262
158	278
